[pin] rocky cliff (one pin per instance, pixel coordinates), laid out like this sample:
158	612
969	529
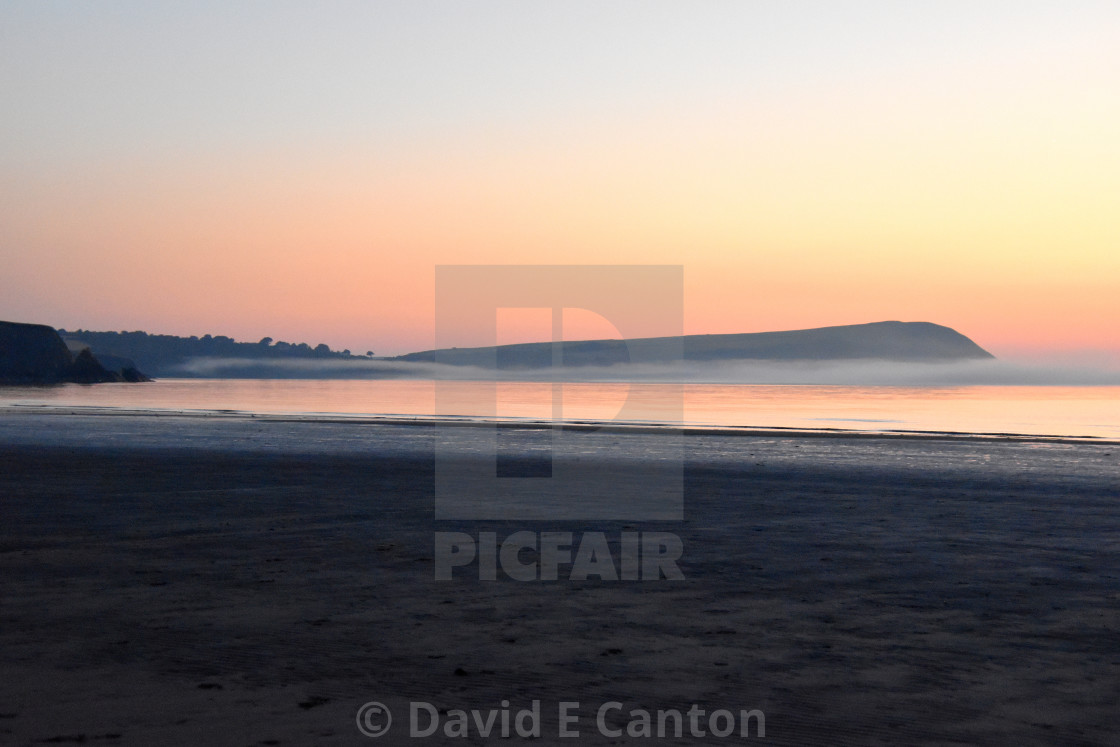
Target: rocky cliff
36	354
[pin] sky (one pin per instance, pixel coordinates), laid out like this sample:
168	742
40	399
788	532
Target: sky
298	170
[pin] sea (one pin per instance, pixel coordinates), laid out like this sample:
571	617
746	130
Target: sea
1090	412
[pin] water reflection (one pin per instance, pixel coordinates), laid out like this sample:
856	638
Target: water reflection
1036	410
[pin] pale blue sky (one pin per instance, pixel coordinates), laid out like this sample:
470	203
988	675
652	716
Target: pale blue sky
95	80
899	159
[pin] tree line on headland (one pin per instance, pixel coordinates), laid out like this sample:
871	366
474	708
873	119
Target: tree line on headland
159	354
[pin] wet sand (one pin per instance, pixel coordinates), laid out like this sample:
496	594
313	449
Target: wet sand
259	583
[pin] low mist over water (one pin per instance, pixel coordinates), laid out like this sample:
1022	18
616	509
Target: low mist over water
848	373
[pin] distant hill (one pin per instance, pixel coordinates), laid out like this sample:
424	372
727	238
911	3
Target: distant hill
894	341
223	357
37	354
171	355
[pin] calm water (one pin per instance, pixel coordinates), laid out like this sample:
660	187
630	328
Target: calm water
1035	410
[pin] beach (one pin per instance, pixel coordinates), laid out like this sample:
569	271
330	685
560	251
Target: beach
237	580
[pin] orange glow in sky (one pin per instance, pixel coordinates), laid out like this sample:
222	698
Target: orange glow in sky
952	164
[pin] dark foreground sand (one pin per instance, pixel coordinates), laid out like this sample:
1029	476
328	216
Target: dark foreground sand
857	591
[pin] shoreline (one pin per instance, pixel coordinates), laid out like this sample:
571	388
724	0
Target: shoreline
582	424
